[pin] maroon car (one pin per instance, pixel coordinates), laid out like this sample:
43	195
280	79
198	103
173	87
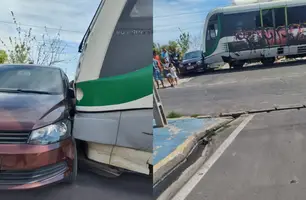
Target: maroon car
36	117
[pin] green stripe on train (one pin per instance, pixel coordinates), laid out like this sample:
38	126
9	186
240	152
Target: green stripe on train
117	89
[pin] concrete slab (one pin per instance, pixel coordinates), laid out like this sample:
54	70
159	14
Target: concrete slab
172	144
265	161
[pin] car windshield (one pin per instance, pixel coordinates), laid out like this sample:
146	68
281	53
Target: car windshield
193	54
31	79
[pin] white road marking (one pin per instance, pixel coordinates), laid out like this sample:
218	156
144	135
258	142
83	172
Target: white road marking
195	179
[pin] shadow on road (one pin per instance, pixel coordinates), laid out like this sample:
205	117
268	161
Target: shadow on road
90	186
248	68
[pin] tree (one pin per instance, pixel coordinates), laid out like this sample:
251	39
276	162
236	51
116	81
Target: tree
184	41
25	48
195	42
172	46
49	50
3	56
157	48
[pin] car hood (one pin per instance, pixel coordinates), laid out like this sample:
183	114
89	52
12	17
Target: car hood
191	60
24	112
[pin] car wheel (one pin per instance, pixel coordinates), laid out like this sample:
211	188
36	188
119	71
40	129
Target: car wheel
73	176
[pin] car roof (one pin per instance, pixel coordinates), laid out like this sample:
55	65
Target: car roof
30	65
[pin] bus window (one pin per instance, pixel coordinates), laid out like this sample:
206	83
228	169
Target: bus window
130	48
142	9
280	17
212	30
247	21
296	15
267	18
212	33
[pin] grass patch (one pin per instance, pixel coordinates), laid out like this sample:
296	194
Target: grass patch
195	115
174	115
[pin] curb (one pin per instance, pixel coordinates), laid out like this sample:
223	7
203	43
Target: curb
190	171
161	169
184	177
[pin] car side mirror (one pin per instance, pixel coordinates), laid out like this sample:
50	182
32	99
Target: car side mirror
71	93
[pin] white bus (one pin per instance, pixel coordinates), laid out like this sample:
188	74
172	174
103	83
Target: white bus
114	87
255	31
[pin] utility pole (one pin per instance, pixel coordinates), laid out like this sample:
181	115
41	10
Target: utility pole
158	109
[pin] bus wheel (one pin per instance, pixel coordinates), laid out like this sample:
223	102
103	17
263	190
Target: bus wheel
268	61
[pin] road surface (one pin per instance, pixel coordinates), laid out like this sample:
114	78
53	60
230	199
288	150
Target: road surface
228	90
266	157
266	160
90	187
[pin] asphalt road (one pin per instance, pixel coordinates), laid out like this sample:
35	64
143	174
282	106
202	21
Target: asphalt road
267	158
266	161
90	187
228	90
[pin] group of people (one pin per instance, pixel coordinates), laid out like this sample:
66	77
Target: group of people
163	67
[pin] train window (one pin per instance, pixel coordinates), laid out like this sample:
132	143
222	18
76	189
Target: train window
135	26
231	23
212	31
213	18
296	15
143	8
280	17
267	18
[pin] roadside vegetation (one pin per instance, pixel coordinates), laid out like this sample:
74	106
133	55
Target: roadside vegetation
26	48
184	43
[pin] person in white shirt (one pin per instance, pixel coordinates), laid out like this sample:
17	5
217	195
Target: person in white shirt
167	72
173	73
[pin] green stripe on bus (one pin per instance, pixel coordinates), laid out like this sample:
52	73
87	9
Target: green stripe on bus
213	49
117	89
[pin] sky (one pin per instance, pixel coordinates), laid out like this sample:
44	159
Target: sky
72	16
187	15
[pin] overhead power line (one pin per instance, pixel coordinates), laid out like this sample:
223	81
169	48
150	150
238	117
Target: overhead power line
176	28
42	27
176	25
181	14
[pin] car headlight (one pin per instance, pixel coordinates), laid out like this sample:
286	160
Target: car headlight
199	62
51	134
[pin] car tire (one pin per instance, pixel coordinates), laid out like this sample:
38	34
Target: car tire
73	176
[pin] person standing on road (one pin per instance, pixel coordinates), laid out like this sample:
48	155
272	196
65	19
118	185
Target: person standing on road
167	72
157	74
165	55
173	73
157	58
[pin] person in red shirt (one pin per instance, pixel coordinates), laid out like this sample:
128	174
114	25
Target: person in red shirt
156	57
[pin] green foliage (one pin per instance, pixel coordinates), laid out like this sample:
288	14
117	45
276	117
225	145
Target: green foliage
3	56
184	42
172	46
25	48
157	48
174	114
19	46
195	115
180	46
